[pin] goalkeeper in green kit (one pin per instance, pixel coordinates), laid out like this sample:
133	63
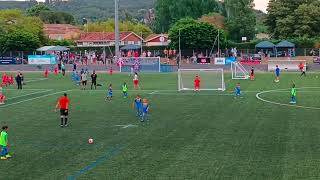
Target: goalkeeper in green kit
293	94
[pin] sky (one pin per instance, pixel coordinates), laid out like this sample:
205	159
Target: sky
260	4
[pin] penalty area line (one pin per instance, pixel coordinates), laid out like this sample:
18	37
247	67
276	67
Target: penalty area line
35	98
36	80
15	97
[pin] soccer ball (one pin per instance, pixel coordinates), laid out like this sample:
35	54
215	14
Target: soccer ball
276	80
90	141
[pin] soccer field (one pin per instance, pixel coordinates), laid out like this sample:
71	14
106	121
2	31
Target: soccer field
210	135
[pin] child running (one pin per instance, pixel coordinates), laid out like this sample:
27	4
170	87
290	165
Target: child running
237	90
2	96
293	95
125	90
4	143
136	81
277	74
145	110
110	94
138	105
252	75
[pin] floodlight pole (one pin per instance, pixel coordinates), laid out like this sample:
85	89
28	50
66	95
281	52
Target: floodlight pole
219	44
179	48
116	28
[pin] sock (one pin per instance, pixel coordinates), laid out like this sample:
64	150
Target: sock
65	121
61	121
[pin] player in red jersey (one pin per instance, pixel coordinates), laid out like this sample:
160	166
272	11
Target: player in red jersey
63	104
45	73
56	70
197	83
2	96
110	71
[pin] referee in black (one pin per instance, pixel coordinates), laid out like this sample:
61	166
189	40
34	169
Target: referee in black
19	80
94	80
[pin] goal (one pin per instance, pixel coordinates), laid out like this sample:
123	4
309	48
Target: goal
238	71
140	64
211	79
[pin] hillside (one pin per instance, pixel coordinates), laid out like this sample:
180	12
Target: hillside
93	9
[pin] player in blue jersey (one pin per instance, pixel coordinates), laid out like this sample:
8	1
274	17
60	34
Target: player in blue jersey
237	90
277	74
137	104
145	110
110	93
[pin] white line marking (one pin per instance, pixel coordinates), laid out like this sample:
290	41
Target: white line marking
282	104
126	126
25	89
28	94
31	99
99	90
35	80
153	92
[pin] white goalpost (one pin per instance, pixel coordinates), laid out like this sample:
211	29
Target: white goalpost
211	79
238	71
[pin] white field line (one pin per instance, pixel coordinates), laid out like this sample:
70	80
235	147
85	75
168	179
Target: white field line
126	126
26	89
287	105
31	99
15	97
36	80
99	90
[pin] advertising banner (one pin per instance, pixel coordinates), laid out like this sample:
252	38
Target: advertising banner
41	59
220	61
4	60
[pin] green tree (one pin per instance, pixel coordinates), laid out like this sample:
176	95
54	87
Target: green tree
297	18
37	9
20	40
52	17
168	12
241	19
108	26
26	31
194	35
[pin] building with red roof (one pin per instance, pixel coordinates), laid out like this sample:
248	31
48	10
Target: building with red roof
61	31
101	39
157	40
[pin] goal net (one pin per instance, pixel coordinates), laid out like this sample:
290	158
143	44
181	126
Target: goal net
238	71
139	64
211	79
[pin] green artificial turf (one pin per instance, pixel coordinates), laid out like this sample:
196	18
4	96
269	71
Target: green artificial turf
210	135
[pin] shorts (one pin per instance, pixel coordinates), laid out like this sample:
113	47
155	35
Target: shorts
277	74
84	83
136	82
94	82
197	86
109	94
63	112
